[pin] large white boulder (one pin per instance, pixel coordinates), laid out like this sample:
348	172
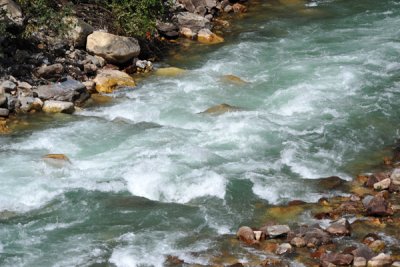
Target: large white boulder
113	48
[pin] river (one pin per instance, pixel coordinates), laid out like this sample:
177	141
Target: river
152	176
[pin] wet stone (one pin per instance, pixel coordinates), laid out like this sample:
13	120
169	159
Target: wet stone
359	262
298	242
336	259
363	252
284	248
277	230
382	185
339	228
381	260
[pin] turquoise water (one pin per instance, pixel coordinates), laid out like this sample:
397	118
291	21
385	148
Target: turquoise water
152	177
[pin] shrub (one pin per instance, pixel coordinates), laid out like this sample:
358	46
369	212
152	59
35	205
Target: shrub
137	17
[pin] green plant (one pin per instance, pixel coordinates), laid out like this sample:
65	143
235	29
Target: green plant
137	17
45	14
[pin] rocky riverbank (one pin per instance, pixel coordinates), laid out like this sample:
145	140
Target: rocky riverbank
59	74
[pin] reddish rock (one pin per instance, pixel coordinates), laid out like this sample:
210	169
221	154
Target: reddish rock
239	8
378	206
336	259
246	235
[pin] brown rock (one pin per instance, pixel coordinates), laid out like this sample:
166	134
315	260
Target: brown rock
298	242
378	206
316	237
377	246
205	36
109	80
239	8
220	109
339	228
50	71
246	235
336	259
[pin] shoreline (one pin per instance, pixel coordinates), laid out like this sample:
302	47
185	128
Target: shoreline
62	77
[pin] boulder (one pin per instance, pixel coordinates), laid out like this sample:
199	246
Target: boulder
383	185
381	260
193	21
220	109
50	71
25	103
336	259
246	235
277	230
339	228
109	80
378	206
187	33
54	106
78	32
206	36
115	49
167	29
69	90
8	86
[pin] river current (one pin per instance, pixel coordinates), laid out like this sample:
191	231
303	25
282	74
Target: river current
152	176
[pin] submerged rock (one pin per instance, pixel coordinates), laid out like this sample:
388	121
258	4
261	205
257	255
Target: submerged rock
206	36
54	106
56	160
113	48
233	79
169	71
220	109
109	80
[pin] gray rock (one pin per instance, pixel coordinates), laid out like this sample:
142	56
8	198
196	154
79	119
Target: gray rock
8	86
277	230
113	48
26	103
50	71
4	112
192	21
53	106
78	32
382	185
366	200
228	9
12	102
167	29
363	252
69	90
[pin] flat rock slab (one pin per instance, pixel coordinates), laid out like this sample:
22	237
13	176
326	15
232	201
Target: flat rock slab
69	90
53	106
